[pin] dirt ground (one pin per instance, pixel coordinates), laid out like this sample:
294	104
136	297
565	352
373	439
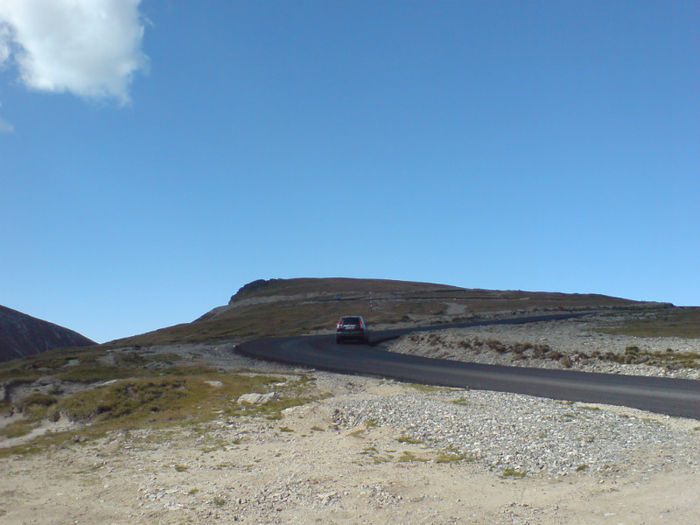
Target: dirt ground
305	468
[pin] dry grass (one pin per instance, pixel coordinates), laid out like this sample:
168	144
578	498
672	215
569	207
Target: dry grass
155	402
88	365
675	322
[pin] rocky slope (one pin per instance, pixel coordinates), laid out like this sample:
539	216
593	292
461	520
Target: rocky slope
22	335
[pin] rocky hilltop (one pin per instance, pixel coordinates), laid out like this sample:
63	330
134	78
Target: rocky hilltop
22	335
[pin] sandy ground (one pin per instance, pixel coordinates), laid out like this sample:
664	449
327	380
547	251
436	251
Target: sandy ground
305	468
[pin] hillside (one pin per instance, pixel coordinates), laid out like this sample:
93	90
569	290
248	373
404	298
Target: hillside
278	307
140	431
22	335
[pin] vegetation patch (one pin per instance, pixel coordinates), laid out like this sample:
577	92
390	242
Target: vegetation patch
130	400
18	428
408	456
667	322
376	456
405	438
155	402
513	473
87	365
634	355
429	388
451	455
35	405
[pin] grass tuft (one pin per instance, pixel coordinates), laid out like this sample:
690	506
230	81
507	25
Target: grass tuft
513	473
405	438
408	456
451	455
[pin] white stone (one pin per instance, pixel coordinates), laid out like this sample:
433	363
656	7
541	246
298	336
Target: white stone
255	398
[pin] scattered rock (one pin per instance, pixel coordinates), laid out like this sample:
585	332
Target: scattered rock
255	398
46	381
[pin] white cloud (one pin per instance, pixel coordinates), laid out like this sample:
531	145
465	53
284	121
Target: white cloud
91	48
4	42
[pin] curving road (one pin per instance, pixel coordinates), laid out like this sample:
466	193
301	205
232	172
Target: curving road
675	397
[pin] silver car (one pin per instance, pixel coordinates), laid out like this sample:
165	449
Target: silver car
351	328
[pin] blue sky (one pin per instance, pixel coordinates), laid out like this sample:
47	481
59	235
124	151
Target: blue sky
157	155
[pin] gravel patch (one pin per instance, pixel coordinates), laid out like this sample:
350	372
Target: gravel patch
517	433
577	344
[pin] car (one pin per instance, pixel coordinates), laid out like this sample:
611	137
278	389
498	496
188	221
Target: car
351	328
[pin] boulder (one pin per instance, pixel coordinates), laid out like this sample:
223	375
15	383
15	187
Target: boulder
255	398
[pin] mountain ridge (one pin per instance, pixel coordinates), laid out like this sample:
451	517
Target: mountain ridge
22	335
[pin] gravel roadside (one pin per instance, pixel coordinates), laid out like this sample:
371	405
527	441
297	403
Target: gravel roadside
572	343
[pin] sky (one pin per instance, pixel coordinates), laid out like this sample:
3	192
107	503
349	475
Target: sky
157	155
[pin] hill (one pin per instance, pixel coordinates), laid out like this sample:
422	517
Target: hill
277	307
22	335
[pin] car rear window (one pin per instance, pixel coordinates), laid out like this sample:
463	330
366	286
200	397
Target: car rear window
351	320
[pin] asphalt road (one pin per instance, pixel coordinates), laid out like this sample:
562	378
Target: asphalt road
675	397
